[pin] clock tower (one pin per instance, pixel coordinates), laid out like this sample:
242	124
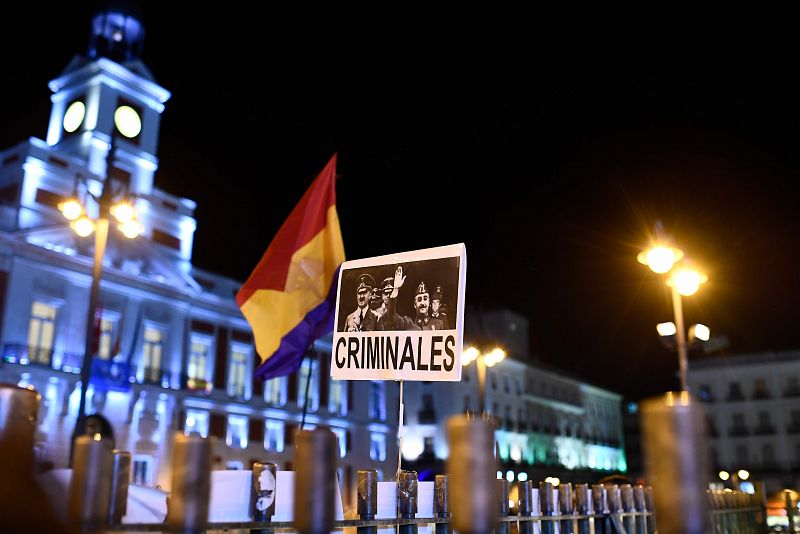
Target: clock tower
104	124
110	93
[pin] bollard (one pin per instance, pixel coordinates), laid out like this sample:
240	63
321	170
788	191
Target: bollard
613	499
639	505
502	506
441	507
315	459
367	498
599	508
262	494
583	508
673	431
32	508
546	508
526	506
471	465
565	506
89	497
628	521
191	483
120	478
18	410
407	500
649	501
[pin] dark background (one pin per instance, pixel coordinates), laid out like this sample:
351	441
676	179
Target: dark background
443	272
549	146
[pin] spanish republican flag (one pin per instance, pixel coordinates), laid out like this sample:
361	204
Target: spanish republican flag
290	298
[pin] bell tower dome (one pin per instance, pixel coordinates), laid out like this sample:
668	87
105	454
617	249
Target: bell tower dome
117	32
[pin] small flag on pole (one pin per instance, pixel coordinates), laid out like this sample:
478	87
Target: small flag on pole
290	298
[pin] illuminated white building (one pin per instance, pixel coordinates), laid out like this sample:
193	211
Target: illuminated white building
174	352
548	422
752	404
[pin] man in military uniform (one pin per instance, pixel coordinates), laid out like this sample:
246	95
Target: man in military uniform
422	320
362	319
437	309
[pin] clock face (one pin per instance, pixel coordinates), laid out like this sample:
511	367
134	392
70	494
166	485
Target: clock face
73	118
127	121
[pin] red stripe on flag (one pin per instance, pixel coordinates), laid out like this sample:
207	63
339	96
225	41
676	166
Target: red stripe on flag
307	219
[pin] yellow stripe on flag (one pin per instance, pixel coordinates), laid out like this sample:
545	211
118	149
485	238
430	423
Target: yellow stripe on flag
276	313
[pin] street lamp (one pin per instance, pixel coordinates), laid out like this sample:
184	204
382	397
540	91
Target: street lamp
118	205
684	281
482	360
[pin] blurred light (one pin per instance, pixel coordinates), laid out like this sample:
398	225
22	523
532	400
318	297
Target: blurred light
469	355
131	229
510	476
496	356
522	477
555	481
499	475
83	226
123	211
71	208
660	259
97	436
700	331
747	487
724	475
687	281
666	329
743	474
511	503
127	121
74	116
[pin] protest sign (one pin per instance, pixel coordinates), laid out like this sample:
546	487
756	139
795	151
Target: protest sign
401	316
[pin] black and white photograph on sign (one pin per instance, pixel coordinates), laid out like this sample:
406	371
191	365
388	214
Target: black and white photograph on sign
401	316
410	296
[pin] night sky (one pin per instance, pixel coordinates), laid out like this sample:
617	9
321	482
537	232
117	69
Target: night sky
550	154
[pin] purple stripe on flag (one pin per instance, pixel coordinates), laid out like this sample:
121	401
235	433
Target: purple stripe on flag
318	322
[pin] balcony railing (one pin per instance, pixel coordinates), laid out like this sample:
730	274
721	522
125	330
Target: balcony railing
156	376
42	357
237	392
198	384
738	431
764	430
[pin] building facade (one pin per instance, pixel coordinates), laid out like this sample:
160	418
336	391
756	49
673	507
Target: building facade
548	424
172	353
752	405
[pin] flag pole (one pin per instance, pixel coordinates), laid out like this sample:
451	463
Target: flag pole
308	383
400	433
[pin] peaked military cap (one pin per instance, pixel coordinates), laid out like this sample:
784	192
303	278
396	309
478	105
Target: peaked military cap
388	283
437	292
365	280
421	289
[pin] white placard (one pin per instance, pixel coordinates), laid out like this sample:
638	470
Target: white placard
401	316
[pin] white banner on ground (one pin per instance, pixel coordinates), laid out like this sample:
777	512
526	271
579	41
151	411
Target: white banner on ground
401	316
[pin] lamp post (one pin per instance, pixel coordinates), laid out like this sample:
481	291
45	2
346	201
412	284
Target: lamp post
684	281
125	215
482	360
